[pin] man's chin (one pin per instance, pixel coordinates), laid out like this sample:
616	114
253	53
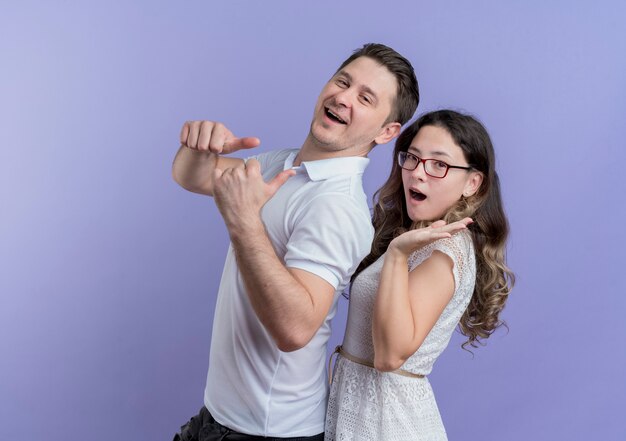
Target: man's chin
320	138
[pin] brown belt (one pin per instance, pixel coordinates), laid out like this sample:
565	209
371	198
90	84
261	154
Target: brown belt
339	350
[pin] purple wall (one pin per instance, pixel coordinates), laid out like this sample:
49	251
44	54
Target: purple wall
108	269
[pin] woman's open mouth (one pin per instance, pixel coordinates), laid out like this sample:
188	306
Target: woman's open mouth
416	195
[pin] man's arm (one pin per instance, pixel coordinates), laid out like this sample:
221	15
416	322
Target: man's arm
291	303
202	143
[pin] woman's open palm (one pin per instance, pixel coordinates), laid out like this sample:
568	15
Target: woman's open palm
412	240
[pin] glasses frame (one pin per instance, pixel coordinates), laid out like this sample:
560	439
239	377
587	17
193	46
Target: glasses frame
402	157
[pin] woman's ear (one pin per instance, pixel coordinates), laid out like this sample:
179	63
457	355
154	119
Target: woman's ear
473	183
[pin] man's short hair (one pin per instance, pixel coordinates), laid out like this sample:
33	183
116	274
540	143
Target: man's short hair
407	95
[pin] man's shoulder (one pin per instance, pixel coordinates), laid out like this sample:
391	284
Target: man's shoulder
272	156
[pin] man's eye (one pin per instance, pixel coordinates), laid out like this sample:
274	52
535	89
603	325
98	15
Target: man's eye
342	82
366	99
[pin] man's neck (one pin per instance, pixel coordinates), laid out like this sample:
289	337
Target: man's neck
311	151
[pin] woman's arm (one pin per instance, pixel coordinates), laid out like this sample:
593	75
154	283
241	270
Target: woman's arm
408	304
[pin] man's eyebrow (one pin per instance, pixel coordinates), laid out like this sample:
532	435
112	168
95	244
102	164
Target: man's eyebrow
365	89
369	91
345	74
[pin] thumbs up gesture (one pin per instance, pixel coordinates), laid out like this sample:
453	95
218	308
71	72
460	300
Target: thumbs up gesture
214	137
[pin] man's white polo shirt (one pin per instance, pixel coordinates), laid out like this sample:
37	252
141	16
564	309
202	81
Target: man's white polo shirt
318	221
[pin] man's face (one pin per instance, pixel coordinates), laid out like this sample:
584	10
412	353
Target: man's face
352	108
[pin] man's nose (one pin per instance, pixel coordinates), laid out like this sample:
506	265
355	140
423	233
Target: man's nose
344	97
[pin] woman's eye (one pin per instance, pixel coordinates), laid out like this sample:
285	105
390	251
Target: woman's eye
441	165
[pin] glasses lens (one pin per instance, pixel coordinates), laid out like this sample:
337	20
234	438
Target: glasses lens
401	158
406	161
435	168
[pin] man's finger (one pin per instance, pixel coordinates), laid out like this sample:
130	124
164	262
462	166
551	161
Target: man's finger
279	180
194	133
205	134
184	133
253	166
233	144
218	136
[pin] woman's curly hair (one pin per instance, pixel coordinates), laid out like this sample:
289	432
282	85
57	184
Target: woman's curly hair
490	229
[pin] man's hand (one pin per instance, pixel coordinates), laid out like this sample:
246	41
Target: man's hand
202	143
240	193
214	137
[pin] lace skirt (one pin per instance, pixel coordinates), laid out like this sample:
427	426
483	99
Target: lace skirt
365	404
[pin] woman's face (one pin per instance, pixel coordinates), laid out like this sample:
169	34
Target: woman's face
427	197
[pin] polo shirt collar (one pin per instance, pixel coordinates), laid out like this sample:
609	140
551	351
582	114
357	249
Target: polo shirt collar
323	169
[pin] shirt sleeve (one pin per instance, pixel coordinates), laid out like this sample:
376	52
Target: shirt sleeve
332	234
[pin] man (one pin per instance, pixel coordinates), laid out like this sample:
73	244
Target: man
299	225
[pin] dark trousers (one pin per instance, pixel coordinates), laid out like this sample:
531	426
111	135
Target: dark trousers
203	427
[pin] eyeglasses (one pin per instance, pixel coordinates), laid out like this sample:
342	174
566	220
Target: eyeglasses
433	167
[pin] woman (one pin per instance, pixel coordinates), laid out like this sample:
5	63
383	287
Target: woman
437	261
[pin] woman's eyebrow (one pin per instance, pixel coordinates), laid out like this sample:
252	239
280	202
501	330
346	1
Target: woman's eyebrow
417	151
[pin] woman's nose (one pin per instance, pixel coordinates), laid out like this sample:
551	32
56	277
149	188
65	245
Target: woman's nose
420	170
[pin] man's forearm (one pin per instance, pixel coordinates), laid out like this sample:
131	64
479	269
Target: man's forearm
282	303
193	170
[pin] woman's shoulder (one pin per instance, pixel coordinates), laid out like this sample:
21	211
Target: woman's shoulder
459	248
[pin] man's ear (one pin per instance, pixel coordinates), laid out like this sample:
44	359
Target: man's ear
473	184
388	132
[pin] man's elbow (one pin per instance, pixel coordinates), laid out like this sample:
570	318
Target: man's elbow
177	178
206	190
293	341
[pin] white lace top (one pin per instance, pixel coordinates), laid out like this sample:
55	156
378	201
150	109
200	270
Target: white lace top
366	404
